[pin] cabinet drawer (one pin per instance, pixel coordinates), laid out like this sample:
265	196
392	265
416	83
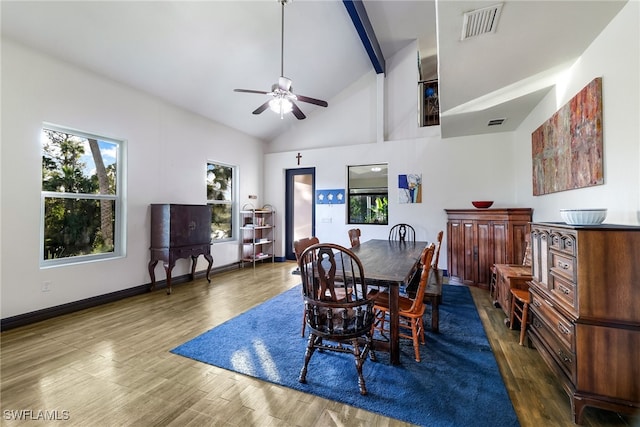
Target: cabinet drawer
562	328
562	265
563	242
563	356
563	291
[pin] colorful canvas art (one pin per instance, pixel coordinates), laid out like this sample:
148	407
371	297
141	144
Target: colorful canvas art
567	149
410	188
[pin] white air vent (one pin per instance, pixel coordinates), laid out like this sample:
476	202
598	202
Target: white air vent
481	21
496	122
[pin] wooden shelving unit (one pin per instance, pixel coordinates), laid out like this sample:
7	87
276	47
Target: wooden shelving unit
258	235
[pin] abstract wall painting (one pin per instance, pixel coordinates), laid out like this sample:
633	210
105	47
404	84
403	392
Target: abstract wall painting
410	188
567	149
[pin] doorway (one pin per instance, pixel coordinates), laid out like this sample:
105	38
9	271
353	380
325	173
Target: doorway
300	215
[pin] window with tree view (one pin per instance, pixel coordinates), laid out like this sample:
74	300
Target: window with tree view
81	197
368	194
220	196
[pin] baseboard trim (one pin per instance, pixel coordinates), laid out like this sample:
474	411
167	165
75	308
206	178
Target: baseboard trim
71	307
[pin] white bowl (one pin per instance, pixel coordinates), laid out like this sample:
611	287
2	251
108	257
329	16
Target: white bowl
583	216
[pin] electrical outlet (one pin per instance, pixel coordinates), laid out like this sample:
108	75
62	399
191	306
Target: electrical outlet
46	286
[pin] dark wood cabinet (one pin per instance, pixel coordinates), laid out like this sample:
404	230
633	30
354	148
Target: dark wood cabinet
479	238
585	312
179	231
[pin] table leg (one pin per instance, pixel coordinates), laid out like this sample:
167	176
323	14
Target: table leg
394	324
209	258
167	268
152	273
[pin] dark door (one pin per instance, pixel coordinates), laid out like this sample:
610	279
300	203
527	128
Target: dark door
300	207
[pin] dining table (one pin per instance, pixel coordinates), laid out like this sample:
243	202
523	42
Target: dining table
390	264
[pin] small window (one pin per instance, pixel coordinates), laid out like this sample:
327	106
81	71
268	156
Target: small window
81	197
221	197
368	194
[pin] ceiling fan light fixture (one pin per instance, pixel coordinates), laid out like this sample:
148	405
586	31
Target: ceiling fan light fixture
280	106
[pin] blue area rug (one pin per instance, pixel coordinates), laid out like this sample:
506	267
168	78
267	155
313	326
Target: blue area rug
456	384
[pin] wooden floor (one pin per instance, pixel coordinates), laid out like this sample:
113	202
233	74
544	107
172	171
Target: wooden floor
111	366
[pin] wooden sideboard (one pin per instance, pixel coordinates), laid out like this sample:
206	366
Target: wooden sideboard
479	238
585	312
179	231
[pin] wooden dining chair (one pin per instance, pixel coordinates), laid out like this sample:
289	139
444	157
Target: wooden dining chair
411	310
298	247
436	256
354	237
402	233
336	324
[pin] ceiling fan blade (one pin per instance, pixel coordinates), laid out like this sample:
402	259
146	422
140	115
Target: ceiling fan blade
297	111
261	92
261	108
312	100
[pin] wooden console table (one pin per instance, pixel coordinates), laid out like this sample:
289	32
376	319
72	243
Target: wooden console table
179	231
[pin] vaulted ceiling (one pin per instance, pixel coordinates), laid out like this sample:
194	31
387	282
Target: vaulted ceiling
194	53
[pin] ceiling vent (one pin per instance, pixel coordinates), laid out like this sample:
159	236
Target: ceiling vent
496	122
481	21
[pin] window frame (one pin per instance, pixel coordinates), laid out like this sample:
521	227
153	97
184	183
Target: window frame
233	203
119	237
353	191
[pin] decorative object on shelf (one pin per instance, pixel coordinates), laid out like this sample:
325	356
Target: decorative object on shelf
429	103
410	188
482	204
583	216
571	141
258	235
330	197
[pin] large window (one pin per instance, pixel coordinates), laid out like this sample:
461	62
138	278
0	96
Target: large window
220	195
368	194
81	197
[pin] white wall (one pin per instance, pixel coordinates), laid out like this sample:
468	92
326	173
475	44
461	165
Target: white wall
614	56
167	152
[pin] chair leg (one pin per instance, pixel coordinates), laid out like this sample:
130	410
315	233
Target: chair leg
307	356
523	324
416	339
304	324
359	361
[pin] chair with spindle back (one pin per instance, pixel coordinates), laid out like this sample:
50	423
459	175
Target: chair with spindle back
336	324
402	233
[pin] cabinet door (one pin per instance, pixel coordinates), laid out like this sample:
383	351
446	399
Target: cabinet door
483	252
190	225
455	257
470	252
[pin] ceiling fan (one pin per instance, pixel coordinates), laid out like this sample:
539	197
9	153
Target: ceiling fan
282	98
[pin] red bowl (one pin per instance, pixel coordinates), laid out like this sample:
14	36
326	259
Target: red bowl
482	204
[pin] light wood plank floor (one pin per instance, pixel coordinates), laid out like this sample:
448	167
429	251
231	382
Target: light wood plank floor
111	366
